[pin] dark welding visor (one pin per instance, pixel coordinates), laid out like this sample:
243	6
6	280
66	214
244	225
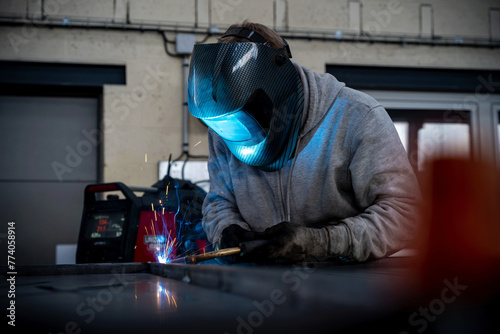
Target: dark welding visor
250	95
249	125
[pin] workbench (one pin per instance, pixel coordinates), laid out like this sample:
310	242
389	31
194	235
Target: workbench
208	298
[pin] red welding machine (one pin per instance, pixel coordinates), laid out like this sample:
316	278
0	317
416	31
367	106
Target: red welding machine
156	227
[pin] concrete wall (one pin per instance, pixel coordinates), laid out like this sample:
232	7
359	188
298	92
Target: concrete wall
144	116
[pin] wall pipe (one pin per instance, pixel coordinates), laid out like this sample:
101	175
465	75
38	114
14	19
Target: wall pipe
185	115
320	35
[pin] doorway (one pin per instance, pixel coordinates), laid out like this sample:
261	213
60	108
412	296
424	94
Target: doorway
47	158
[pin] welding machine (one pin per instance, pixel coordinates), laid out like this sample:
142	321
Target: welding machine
156	227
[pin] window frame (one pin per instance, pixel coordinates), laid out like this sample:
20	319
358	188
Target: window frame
423	104
416	120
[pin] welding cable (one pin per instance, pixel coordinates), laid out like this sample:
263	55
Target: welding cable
169	164
187	210
184	167
207	36
178	209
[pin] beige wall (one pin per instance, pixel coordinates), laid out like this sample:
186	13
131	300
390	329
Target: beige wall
145	116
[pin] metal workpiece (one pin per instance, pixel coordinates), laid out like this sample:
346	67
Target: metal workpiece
307	287
81	269
128	303
184	298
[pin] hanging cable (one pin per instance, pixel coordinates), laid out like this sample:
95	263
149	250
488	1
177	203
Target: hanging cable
165	43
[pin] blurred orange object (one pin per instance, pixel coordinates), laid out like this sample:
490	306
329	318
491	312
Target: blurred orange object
460	239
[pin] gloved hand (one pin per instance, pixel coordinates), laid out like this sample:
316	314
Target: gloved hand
287	242
233	236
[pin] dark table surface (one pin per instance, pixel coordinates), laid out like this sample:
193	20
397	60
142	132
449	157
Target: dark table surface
182	298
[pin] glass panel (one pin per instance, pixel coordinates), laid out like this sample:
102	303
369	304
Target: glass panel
498	130
437	140
402	129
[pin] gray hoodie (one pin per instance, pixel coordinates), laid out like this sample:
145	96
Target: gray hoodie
350	174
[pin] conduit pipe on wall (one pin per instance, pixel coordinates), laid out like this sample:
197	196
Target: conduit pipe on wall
310	34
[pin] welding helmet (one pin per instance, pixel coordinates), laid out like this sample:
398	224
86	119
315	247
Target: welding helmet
250	95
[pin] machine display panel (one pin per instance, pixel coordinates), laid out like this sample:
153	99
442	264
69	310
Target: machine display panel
106	225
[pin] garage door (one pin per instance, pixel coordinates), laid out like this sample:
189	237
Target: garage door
49	153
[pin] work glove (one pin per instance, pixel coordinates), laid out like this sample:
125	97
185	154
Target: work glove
288	243
234	236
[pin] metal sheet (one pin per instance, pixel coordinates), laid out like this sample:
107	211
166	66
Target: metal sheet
129	303
378	296
178	298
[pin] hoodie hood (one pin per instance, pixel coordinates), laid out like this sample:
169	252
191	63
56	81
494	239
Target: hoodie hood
320	92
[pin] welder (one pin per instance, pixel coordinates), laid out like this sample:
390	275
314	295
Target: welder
311	168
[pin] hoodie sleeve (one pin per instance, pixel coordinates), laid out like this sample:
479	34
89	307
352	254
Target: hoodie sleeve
385	189
219	208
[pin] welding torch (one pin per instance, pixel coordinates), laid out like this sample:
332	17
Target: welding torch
242	249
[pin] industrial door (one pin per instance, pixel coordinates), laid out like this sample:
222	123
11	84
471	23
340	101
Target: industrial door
49	152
